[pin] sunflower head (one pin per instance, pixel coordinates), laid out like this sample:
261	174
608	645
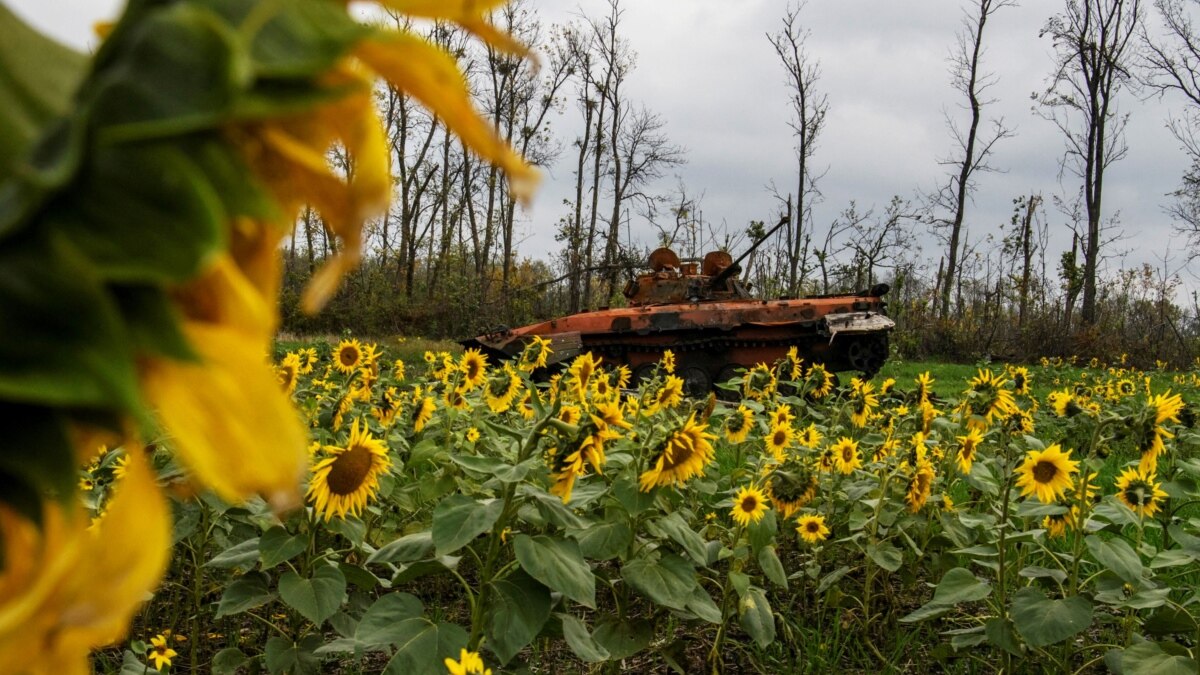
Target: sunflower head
812	528
759	383
845	455
348	356
685	453
1046	474
1138	489
473	369
749	505
348	478
738	424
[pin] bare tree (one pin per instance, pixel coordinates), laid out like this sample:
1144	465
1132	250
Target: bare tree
808	120
972	149
1094	45
1174	67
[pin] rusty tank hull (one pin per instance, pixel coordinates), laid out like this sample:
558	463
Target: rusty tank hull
712	324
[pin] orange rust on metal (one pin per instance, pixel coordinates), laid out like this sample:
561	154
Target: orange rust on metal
713	323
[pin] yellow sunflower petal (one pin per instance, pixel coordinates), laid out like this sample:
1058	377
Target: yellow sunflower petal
231	423
58	614
431	76
467	13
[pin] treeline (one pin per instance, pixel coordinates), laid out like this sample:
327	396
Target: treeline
445	260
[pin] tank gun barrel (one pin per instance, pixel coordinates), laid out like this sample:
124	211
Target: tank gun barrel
735	266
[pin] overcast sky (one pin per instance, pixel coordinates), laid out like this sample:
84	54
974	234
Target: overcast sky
706	67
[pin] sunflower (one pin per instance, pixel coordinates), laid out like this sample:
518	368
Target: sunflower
864	402
810	437
1020	422
668	361
778	440
1151	445
1056	525
608	414
308	360
288	372
845	455
1126	388
534	355
749	506
665	394
738	424
885	449
1165	408
570	414
468	663
812	528
1137	489
920	484
1064	402
968	446
887	386
348	356
790	486
346	480
781	415
819	381
924	387
473	366
160	652
1046	474
502	388
796	363
472	435
990	395
928	413
684	454
581	371
454	398
398	370
422	412
759	383
568	465
602	389
624	375
1020	380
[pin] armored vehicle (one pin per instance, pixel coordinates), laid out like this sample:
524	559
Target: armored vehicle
702	311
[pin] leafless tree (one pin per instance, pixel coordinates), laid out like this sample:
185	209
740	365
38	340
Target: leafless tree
808	120
1094	41
972	145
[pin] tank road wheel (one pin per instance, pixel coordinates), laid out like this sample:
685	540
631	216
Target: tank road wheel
696	382
868	354
725	374
643	373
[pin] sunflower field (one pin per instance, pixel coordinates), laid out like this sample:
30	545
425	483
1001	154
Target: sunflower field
466	516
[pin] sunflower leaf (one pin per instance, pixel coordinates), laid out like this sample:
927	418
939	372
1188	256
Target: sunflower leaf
459	519
668	581
580	641
1042	621
520	608
1117	556
755	616
246	592
423	647
558	564
316	598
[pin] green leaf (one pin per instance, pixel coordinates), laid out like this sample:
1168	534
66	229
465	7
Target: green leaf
228	660
408	548
37	456
251	590
957	586
380	625
243	554
71	349
668	582
317	598
494	468
1148	658
1042	621
580	641
763	532
768	560
604	541
756	618
424	646
1173	558
458	519
675	528
294	658
423	568
520	607
153	322
277	546
558	564
701	604
144	213
622	639
886	555
38	77
1001	634
358	576
1118	556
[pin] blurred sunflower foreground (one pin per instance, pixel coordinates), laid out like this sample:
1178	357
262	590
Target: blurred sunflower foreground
143	195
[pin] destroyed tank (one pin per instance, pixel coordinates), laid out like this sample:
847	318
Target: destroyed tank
702	311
